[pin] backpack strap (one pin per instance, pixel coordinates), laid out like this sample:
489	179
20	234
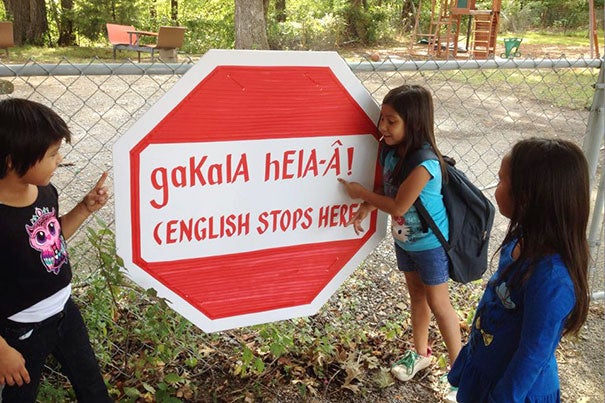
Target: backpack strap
382	153
417	158
424	215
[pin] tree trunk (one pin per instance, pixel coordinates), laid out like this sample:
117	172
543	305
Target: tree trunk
153	12
408	14
280	10
266	10
66	24
174	11
356	28
250	25
29	21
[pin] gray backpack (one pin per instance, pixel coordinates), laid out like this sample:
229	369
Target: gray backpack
470	215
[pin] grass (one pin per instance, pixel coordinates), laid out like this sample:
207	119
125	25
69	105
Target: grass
73	54
103	51
577	38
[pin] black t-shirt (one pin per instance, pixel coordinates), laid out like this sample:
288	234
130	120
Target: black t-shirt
34	263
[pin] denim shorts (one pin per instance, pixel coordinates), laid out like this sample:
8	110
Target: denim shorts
432	265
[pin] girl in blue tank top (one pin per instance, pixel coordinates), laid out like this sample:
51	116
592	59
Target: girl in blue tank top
407	125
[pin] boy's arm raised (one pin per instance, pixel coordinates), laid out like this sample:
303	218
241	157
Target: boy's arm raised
12	365
93	201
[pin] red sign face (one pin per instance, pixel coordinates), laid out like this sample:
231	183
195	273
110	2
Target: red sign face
232	209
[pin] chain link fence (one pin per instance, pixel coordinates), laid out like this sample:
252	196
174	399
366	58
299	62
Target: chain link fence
481	109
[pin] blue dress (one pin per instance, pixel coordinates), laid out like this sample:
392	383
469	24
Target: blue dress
510	354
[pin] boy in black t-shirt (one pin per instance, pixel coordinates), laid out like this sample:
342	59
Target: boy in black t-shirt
37	315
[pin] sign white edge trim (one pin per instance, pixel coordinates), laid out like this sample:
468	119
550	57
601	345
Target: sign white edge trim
158	111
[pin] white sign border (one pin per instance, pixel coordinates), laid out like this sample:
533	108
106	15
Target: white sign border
122	191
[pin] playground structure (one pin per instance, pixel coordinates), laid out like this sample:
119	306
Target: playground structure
446	17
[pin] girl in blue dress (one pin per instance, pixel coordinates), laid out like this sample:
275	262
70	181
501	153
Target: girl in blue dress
540	291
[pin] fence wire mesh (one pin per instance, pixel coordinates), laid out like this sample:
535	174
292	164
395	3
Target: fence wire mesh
481	109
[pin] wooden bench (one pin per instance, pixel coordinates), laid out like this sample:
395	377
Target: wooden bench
169	40
7	39
127	37
121	38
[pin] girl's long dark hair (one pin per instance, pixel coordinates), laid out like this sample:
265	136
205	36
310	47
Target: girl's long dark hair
414	104
551	204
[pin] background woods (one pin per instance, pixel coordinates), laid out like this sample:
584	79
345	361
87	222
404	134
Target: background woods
30	20
262	24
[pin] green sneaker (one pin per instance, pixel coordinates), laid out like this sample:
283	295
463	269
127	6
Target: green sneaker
450	396
411	362
451	392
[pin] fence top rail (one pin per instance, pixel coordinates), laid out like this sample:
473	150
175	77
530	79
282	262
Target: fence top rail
92	69
419	65
33	69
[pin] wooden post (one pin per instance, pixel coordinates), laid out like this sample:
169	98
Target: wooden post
594	38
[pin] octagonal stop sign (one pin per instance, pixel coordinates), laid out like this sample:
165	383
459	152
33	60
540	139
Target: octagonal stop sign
226	191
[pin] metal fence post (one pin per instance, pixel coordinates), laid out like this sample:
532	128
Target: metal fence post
593	142
595	131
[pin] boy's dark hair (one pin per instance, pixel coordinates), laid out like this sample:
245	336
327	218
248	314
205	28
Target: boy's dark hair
27	130
551	203
414	104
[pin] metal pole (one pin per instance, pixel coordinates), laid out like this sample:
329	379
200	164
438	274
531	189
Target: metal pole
596	230
592	149
595	131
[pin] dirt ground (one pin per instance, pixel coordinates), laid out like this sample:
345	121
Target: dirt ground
581	361
527	50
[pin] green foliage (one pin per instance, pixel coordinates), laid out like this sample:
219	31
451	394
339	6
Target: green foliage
329	25
365	25
50	393
130	325
316	25
557	15
149	353
210	25
92	15
325	33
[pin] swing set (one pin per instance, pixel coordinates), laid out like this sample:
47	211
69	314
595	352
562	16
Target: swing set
446	17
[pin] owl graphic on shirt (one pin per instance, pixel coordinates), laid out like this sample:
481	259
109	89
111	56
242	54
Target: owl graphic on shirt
45	236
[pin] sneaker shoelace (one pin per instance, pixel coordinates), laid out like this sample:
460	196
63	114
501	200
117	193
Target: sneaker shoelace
408	360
